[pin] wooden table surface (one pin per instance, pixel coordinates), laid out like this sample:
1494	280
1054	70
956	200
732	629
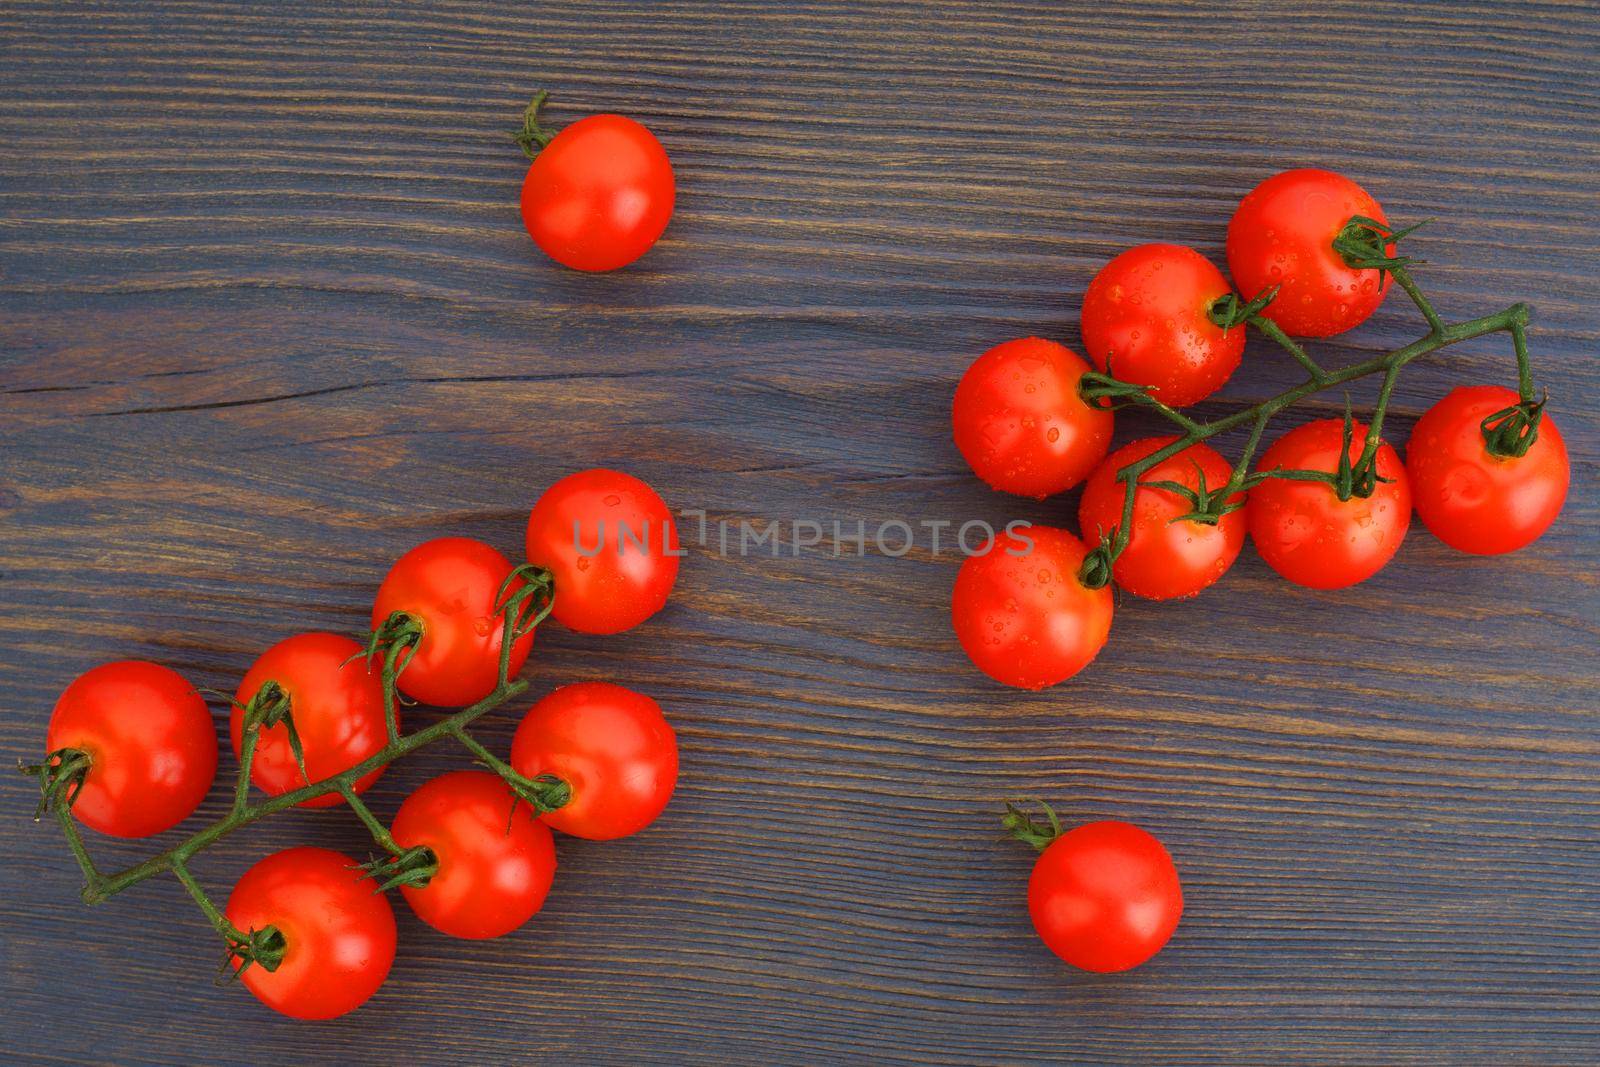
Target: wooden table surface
268	317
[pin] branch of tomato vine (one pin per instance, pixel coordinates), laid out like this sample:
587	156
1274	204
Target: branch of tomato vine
1364	244
524	600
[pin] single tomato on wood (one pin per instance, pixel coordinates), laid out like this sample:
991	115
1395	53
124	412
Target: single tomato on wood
137	747
1020	422
599	193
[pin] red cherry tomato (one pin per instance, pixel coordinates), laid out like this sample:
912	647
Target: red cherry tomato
496	861
1282	234
1305	532
1020	422
339	935
336	706
151	744
612	746
612	545
1471	499
1146	312
1021	613
452	586
1166	556
1105	896
598	195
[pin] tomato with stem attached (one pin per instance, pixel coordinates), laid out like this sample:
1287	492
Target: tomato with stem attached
338	934
133	748
1304	531
611	746
1282	234
1146	320
1021	610
446	599
335	715
1473	499
493	861
1168	554
612	545
599	193
1103	896
1020	422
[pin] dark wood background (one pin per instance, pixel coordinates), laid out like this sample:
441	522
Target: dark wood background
268	317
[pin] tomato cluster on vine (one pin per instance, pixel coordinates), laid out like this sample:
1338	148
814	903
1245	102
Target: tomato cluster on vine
132	750
1311	254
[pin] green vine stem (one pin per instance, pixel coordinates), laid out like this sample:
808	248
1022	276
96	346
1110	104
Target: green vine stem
523	601
1364	244
532	137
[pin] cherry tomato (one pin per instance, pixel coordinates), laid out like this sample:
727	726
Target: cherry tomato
612	746
598	195
1021	613
151	744
496	861
1282	234
336	706
339	935
1305	532
1166	557
612	545
1146	313
451	585
1020	422
1105	896
1475	501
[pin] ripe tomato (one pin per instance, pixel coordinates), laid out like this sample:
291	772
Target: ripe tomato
451	585
336	706
1020	422
1166	556
150	742
612	545
1305	532
599	193
1105	896
612	746
1021	613
339	935
496	861
1146	313
1282	234
1471	499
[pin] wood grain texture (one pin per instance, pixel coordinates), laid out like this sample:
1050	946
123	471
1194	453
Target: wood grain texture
268	317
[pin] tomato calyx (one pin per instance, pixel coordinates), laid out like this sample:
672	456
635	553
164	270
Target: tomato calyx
1028	829
60	775
533	137
1348	479
1363	243
1209	505
1228	311
262	948
271	706
413	867
1510	432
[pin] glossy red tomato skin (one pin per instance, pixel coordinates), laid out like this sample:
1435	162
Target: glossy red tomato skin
152	747
1147	313
1474	501
1305	532
452	584
1282	234
1026	620
339	934
621	585
1163	559
1105	896
599	195
612	746
337	707
496	861
1020	422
